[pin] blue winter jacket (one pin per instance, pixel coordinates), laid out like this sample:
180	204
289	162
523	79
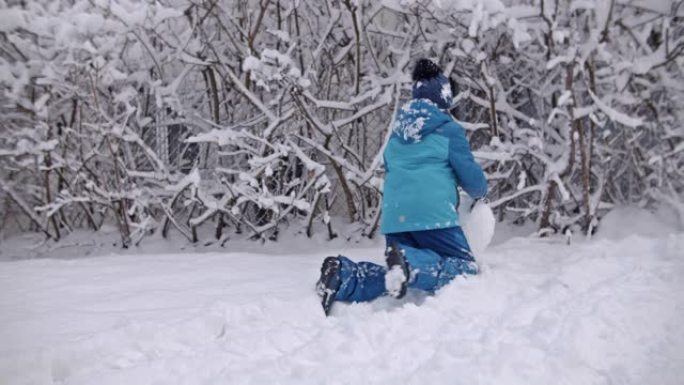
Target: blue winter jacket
426	158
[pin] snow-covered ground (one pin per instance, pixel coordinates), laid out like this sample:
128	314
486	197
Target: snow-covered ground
608	311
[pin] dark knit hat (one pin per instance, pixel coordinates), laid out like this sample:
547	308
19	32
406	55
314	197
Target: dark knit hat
430	83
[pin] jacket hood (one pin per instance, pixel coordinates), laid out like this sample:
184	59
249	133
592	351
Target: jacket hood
417	119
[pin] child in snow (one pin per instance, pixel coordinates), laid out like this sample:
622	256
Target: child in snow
426	158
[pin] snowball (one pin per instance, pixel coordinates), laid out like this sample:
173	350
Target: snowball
478	224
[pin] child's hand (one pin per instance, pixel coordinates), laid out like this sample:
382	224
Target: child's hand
484	200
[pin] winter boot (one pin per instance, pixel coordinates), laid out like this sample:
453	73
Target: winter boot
396	279
329	283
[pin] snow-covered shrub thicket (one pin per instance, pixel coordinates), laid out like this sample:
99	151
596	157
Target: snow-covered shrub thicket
171	115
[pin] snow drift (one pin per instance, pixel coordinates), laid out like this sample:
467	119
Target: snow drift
601	312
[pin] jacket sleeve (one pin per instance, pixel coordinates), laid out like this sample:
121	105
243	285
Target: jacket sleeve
469	174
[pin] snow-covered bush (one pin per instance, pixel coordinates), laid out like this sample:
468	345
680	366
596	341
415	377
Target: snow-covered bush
244	114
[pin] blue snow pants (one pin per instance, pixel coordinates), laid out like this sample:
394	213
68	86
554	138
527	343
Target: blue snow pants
434	258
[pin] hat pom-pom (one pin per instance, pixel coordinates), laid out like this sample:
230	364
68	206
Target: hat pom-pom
425	69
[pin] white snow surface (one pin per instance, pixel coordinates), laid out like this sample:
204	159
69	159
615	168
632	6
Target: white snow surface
606	311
